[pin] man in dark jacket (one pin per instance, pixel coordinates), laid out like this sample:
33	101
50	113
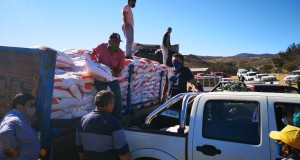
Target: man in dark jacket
100	135
177	78
165	46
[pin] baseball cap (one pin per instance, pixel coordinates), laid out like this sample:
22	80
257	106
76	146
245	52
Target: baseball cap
115	36
290	135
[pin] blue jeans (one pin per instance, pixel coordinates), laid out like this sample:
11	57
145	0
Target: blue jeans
115	88
129	39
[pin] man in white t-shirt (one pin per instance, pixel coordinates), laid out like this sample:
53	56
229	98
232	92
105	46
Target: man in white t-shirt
127	25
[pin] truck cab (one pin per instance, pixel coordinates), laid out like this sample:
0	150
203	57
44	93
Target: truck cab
259	76
240	72
250	76
210	125
269	80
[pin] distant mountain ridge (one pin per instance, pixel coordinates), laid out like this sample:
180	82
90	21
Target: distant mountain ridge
253	55
233	62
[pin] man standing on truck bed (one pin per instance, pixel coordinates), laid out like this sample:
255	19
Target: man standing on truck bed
177	79
18	140
165	46
100	135
111	55
127	26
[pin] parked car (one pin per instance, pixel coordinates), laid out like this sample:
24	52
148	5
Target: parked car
241	71
294	77
210	75
222	74
250	76
214	125
269	80
259	75
199	75
253	82
272	88
254	86
226	80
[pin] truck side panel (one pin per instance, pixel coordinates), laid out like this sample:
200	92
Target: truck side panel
17	68
163	145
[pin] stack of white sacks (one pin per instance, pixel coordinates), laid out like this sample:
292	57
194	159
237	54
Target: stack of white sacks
74	91
76	71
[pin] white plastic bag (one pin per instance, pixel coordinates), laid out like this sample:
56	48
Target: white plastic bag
62	103
97	70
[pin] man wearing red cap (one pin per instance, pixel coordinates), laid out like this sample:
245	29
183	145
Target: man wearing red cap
111	55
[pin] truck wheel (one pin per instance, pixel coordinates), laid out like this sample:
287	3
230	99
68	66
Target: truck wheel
146	158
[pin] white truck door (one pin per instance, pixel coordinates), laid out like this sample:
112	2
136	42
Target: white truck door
230	127
287	104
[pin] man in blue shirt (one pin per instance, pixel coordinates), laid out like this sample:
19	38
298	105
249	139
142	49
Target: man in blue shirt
17	138
20	140
100	135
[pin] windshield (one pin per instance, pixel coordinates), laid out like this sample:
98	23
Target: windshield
296	73
261	75
270	79
252	74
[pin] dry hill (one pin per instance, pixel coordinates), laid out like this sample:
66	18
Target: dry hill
194	61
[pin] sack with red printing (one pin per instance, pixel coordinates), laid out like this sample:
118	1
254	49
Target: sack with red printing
62	103
97	70
61	93
66	81
57	114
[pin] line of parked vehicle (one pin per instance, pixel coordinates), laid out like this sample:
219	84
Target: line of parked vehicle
294	77
254	81
214	75
262	78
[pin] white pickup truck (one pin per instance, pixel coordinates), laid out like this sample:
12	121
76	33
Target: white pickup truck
210	126
250	76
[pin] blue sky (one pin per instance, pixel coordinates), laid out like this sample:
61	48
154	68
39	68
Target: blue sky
200	27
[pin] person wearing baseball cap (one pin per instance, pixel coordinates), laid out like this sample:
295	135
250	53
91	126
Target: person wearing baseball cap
111	55
289	141
115	36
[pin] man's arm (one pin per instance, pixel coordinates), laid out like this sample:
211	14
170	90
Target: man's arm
165	40
193	81
125	20
164	91
8	141
34	91
125	157
80	156
190	77
119	141
11	153
97	51
120	67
